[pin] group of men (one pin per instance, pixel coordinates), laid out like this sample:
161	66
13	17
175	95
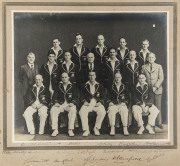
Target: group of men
104	80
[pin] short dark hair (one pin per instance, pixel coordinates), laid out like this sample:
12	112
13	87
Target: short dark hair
51	52
113	48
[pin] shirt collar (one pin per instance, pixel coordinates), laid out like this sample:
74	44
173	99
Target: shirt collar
30	65
67	83
99	46
75	45
120	48
114	60
65	62
40	86
54	63
59	48
147	51
116	84
135	61
90	83
138	84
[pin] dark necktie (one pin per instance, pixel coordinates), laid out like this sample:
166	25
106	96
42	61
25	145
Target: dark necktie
91	67
31	67
151	67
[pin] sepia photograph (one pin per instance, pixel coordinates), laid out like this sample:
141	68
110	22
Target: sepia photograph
89	83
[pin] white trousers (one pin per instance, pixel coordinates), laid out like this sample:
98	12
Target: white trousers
84	111
122	110
28	115
137	112
55	111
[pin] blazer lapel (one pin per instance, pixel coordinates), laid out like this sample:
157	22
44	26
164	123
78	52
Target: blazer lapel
87	87
71	67
109	65
68	87
82	50
104	50
126	53
41	89
130	68
60	52
54	68
61	88
96	87
116	65
75	51
64	67
97	50
46	68
34	90
114	88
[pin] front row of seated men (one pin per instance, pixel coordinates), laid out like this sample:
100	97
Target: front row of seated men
92	98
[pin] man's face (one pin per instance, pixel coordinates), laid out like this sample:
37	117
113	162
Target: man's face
79	40
145	45
65	78
101	40
67	56
92	76
112	54
122	43
117	78
51	58
56	43
132	55
90	58
31	58
142	79
38	80
151	58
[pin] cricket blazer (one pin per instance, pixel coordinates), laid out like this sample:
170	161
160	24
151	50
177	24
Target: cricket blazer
118	97
145	95
99	94
43	95
61	95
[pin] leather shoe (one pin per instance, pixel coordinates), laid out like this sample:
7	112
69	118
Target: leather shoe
86	133
55	133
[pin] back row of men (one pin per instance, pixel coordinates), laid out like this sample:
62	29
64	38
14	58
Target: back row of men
79	64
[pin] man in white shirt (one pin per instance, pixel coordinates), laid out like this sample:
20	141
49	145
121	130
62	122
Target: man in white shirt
38	98
92	99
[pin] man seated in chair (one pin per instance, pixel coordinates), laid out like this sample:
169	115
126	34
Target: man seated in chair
38	98
64	99
143	105
118	99
92	100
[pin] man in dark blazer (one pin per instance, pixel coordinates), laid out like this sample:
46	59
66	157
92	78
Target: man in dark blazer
112	66
117	100
101	51
51	73
92	66
132	71
79	52
69	67
58	51
27	75
92	99
38	98
142	56
143	99
64	99
123	56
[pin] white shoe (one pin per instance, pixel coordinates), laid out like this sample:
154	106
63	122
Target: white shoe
96	131
41	133
140	132
70	132
55	133
32	132
126	133
86	133
112	132
149	128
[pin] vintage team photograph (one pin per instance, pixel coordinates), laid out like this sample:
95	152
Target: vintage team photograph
90	76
